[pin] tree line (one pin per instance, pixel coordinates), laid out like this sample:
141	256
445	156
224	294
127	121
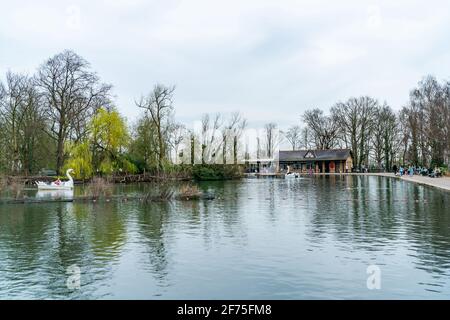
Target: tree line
64	116
418	134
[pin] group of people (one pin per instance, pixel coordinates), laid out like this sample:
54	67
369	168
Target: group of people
412	170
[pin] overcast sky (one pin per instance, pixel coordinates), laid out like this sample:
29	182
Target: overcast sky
270	60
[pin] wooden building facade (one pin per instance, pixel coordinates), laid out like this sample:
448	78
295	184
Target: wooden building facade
318	161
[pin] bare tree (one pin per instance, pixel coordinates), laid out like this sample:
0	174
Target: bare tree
389	136
159	107
294	136
72	93
355	119
305	138
446	119
383	136
427	115
33	144
205	130
270	130
258	146
236	128
22	122
176	135
12	113
3	138
324	129
209	136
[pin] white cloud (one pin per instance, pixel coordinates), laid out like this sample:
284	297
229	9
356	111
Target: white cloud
269	59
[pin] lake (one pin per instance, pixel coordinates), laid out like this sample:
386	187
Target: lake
311	238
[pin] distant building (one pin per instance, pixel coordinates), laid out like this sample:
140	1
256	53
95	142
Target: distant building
318	161
262	165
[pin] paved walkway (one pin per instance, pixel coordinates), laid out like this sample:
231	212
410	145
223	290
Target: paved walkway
441	183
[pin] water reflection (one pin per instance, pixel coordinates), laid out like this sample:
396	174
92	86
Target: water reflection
152	220
54	194
260	238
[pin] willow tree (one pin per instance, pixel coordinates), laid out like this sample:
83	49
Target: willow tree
103	150
80	159
109	139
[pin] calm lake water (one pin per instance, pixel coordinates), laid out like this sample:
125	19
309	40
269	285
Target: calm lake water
259	239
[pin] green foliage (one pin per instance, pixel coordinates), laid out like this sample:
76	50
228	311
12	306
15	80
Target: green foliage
215	172
142	150
106	166
128	166
109	131
109	138
3	183
102	151
80	160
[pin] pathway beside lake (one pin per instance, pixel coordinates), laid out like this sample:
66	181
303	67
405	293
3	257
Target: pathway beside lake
441	183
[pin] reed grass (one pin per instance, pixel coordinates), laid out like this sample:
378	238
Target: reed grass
99	188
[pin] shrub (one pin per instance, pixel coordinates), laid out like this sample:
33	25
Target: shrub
204	172
13	186
99	187
189	192
16	188
216	172
3	183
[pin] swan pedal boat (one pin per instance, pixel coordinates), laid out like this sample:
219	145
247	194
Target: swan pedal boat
66	185
290	175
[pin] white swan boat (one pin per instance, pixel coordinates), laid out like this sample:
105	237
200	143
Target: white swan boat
290	175
57	185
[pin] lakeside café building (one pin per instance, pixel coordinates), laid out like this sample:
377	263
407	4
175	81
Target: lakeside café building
319	161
